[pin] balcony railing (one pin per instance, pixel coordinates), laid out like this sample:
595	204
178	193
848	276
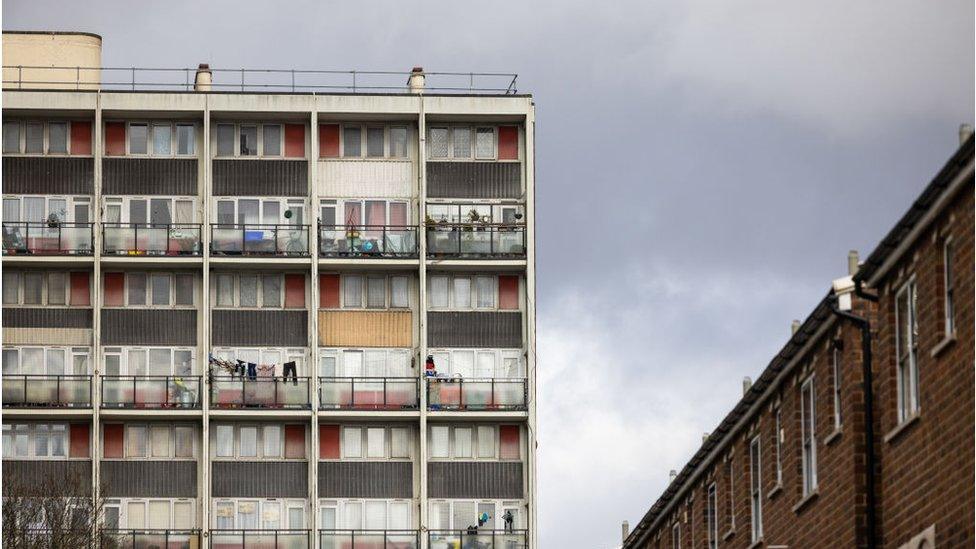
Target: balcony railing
260	392
60	238
475	240
369	539
174	239
270	240
445	393
482	539
367	241
260	539
162	392
47	391
149	539
369	393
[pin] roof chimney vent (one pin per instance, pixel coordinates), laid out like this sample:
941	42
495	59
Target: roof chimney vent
416	80
794	327
672	475
624	531
853	262
965	132
704	437
204	79
746	385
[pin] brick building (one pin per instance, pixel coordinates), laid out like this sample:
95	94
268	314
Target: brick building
859	432
366	254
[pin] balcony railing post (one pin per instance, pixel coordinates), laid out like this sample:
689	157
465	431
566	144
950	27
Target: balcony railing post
491	404
384	394
135	237
60	244
461	394
134	398
352	392
57	389
168	399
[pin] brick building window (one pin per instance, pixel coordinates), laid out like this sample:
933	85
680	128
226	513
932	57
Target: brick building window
835	354
906	346
808	437
730	493
711	517
676	536
948	292
755	491
779	447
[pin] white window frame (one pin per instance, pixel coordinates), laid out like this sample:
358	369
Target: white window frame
364	141
32	430
364	292
45	288
149	427
711	516
45	138
236	276
283	204
122	352
906	353
445	359
499	506
808	440
948	289
259	442
476	451
71	203
755	492
393	355
835	366
151	126
259	125
70	353
473	156
265	354
474	292
283	505
148	304
341	507
388	431
122	507
779	447
124	204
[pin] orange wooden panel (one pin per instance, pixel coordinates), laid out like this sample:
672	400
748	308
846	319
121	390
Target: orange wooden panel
328	442
115	138
295	140
508	292
294	441
295	291
112	437
80	440
114	289
509	442
81	137
328	140
80	289
366	328
329	291
508	141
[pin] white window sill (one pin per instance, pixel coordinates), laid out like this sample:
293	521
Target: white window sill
758	543
775	491
728	535
805	502
832	437
946	342
902	427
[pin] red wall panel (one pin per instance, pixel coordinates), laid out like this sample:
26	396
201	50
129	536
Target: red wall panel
329	291
508	141
115	138
80	440
328	140
294	441
114	289
295	291
509	442
80	289
508	292
295	140
328	442
81	138
112	445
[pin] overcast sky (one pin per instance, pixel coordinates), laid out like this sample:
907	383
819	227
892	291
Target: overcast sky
703	168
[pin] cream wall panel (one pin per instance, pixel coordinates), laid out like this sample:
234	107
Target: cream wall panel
365	179
47	336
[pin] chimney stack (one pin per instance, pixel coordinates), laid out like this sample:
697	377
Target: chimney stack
204	78
624	531
416	80
794	327
746	385
672	475
853	261
965	132
704	437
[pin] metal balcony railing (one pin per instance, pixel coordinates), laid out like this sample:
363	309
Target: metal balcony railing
148	539
501	394
260	539
55	238
47	391
260	392
369	539
248	239
368	241
369	393
157	239
151	392
475	240
253	80
482	539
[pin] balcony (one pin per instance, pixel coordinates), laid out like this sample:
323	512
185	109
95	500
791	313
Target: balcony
60	238
151	392
475	241
260	392
365	393
482	539
47	391
180	239
260	539
369	539
368	241
259	240
498	394
149	539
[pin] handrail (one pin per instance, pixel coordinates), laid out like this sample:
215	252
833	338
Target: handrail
16	390
491	400
47	238
144	537
368	240
387	402
287	534
498	537
369	537
261	80
254	240
475	240
250	387
180	238
179	391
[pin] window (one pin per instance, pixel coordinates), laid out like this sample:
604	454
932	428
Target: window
185	139
46	360
40	209
808	437
249	141
225	140
42	440
148	441
374	292
260	140
948	297
779	447
364	514
906	346
138	136
711	517
154	289
263	514
459	142
352	141
399	292
475	442
264	291
375	142
467	292
730	492
398	142
52	288
835	354
462	142
51	138
259	442
11	137
57	138
460	514
373	443
141	361
272	140
485	143
676	536
479	363
755	492
162	139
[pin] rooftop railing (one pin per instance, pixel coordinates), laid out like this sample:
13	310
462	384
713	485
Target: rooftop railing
482	539
151	392
369	539
475	240
46	391
260	392
156	239
254	80
257	239
369	393
47	238
368	241
455	393
260	539
148	539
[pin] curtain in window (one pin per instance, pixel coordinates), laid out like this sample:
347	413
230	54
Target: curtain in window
375	212
135	514
464	515
353	213
138	211
463	363
375	515
399	446
160	211
352	442
33	209
439	440
11	210
375	363
486	441
354	515
247	212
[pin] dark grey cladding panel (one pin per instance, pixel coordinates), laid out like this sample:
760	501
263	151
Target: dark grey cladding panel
150	176
474	329
48	175
285	328
365	479
474	479
34	478
260	177
474	179
147	479
259	479
37	317
149	327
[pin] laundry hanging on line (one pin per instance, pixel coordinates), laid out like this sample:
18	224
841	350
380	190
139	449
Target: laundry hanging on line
239	367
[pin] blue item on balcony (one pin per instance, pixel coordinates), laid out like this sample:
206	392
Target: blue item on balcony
253	236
